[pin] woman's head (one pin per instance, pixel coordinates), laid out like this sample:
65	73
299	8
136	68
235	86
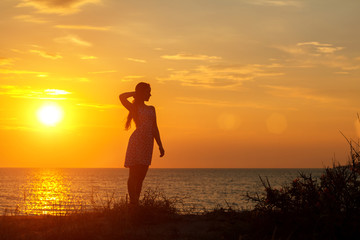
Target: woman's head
142	91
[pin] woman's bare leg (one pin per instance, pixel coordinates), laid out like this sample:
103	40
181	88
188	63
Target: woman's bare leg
136	177
142	170
131	184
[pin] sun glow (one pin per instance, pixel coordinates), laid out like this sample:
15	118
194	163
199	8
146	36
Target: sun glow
50	114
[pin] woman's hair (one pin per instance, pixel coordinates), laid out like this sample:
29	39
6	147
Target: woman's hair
140	89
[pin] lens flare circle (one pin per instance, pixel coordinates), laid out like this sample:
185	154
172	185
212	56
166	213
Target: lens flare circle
50	114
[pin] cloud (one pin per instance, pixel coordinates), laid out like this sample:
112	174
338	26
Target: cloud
56	92
297	92
72	39
46	55
30	19
82	27
56	6
342	73
311	48
17	127
17	51
88	57
99	106
276	3
314	44
349	68
207	102
223	76
227	104
130	78
9	71
80	79
6	61
320	47
101	72
136	60
71	79
312	54
328	49
28	92
185	56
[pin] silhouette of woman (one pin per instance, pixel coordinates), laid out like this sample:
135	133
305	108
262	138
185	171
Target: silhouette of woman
141	142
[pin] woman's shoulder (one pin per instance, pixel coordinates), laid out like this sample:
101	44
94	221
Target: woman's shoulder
150	107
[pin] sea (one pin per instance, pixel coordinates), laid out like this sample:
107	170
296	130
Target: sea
61	191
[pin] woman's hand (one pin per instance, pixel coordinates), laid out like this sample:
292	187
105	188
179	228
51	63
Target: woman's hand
162	151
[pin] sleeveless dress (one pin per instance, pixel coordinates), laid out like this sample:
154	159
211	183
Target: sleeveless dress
141	143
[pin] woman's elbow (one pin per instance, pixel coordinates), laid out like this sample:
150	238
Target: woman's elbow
155	130
121	98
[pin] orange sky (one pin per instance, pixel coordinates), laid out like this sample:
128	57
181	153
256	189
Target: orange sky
236	83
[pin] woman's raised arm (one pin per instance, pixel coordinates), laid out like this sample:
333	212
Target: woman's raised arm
124	99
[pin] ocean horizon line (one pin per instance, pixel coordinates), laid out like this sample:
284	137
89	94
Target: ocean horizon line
164	168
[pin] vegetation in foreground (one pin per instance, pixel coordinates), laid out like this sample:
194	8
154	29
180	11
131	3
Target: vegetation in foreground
155	218
314	208
306	208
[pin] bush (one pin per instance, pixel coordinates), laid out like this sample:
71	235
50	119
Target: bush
325	207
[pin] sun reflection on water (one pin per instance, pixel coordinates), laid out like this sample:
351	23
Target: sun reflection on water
47	191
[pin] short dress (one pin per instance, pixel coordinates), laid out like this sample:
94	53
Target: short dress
141	143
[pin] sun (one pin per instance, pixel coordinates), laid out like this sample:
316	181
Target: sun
50	114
